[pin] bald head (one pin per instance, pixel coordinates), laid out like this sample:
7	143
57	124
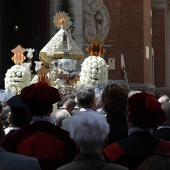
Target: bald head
163	99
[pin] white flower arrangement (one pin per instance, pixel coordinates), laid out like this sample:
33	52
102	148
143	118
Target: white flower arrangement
16	78
94	71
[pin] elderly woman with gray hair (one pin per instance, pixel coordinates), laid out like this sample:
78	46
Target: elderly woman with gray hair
90	132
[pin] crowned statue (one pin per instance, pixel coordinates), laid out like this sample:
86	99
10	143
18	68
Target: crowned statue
61	54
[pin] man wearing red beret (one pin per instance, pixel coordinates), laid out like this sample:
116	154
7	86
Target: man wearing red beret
144	114
51	145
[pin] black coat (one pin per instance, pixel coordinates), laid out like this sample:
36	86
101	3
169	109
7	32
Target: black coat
136	148
118	127
162	133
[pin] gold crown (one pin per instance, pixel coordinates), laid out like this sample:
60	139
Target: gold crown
62	20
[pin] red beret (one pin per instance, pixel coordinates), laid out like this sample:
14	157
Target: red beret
39	94
144	111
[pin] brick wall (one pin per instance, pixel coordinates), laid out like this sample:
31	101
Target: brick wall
159	46
129	35
147	37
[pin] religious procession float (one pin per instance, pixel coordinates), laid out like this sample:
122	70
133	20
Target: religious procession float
57	64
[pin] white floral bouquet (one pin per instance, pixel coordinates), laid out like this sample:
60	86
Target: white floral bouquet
16	78
94	71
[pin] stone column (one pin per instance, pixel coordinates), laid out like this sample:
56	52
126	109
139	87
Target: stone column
78	31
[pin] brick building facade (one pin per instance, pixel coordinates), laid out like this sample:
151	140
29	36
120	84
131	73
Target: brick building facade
139	30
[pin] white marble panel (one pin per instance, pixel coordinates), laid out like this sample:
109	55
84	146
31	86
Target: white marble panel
78	25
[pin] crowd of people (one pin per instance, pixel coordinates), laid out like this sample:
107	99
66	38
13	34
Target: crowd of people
111	130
